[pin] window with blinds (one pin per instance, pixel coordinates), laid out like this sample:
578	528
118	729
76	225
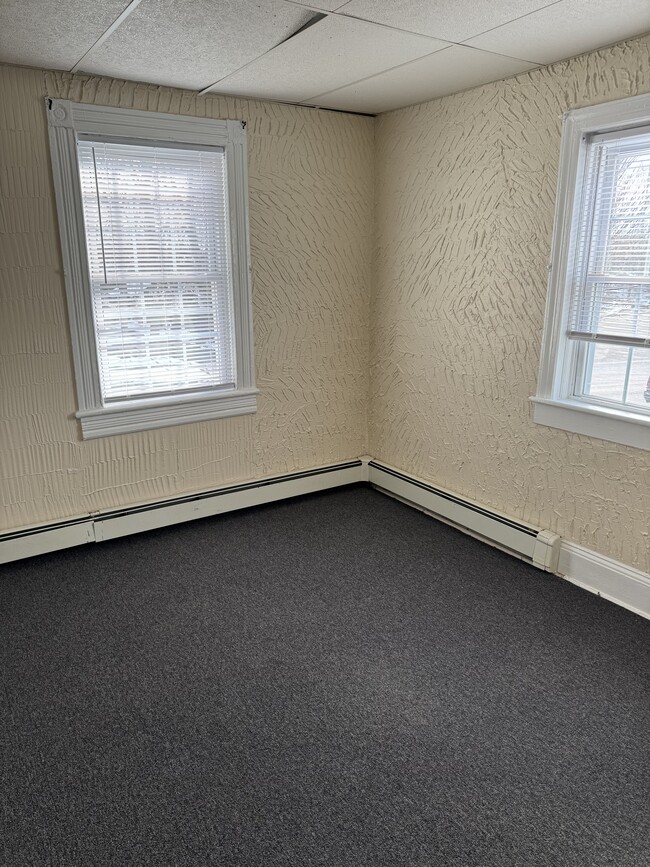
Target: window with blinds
594	370
609	306
156	225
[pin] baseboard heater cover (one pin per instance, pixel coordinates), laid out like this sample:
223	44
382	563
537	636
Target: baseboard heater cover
623	585
537	546
41	539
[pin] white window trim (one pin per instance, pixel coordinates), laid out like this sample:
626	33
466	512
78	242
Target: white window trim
65	121
551	405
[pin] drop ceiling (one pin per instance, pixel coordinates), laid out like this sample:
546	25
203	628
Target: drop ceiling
365	56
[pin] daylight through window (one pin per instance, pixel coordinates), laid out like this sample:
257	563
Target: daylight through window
155	220
154	232
594	374
610	304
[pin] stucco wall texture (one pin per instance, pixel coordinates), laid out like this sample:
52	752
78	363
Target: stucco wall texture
465	202
311	201
422	352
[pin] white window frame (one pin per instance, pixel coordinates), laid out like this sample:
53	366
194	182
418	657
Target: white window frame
67	120
553	405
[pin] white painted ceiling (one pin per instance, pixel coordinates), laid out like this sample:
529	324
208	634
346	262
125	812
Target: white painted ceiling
362	55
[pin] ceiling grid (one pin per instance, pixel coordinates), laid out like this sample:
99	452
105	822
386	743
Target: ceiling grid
365	56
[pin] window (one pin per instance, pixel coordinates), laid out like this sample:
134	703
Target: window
595	366
153	223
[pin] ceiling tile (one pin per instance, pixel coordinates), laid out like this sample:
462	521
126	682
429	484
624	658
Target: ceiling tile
568	28
456	68
53	35
455	20
326	56
192	45
324	5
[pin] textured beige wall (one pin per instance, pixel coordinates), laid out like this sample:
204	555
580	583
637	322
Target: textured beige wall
465	196
311	200
466	192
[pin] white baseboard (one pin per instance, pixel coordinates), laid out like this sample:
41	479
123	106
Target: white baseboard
45	538
533	544
608	578
41	539
601	575
605	577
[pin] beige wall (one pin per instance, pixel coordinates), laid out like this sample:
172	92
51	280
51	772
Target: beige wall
466	192
311	200
464	210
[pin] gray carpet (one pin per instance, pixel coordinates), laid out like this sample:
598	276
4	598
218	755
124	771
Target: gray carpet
337	680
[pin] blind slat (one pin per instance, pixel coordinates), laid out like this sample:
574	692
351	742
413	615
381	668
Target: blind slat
158	252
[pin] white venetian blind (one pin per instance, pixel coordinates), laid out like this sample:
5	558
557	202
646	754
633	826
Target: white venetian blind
156	221
610	293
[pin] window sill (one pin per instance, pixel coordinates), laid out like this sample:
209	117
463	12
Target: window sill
627	428
164	412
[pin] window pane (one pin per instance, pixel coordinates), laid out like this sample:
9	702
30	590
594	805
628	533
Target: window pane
624	246
161	337
157	237
638	393
617	309
153	212
617	373
610	292
606	370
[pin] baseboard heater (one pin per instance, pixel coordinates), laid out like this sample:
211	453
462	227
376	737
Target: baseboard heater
539	547
28	542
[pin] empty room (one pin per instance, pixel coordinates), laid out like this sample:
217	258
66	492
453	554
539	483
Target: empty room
325	433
